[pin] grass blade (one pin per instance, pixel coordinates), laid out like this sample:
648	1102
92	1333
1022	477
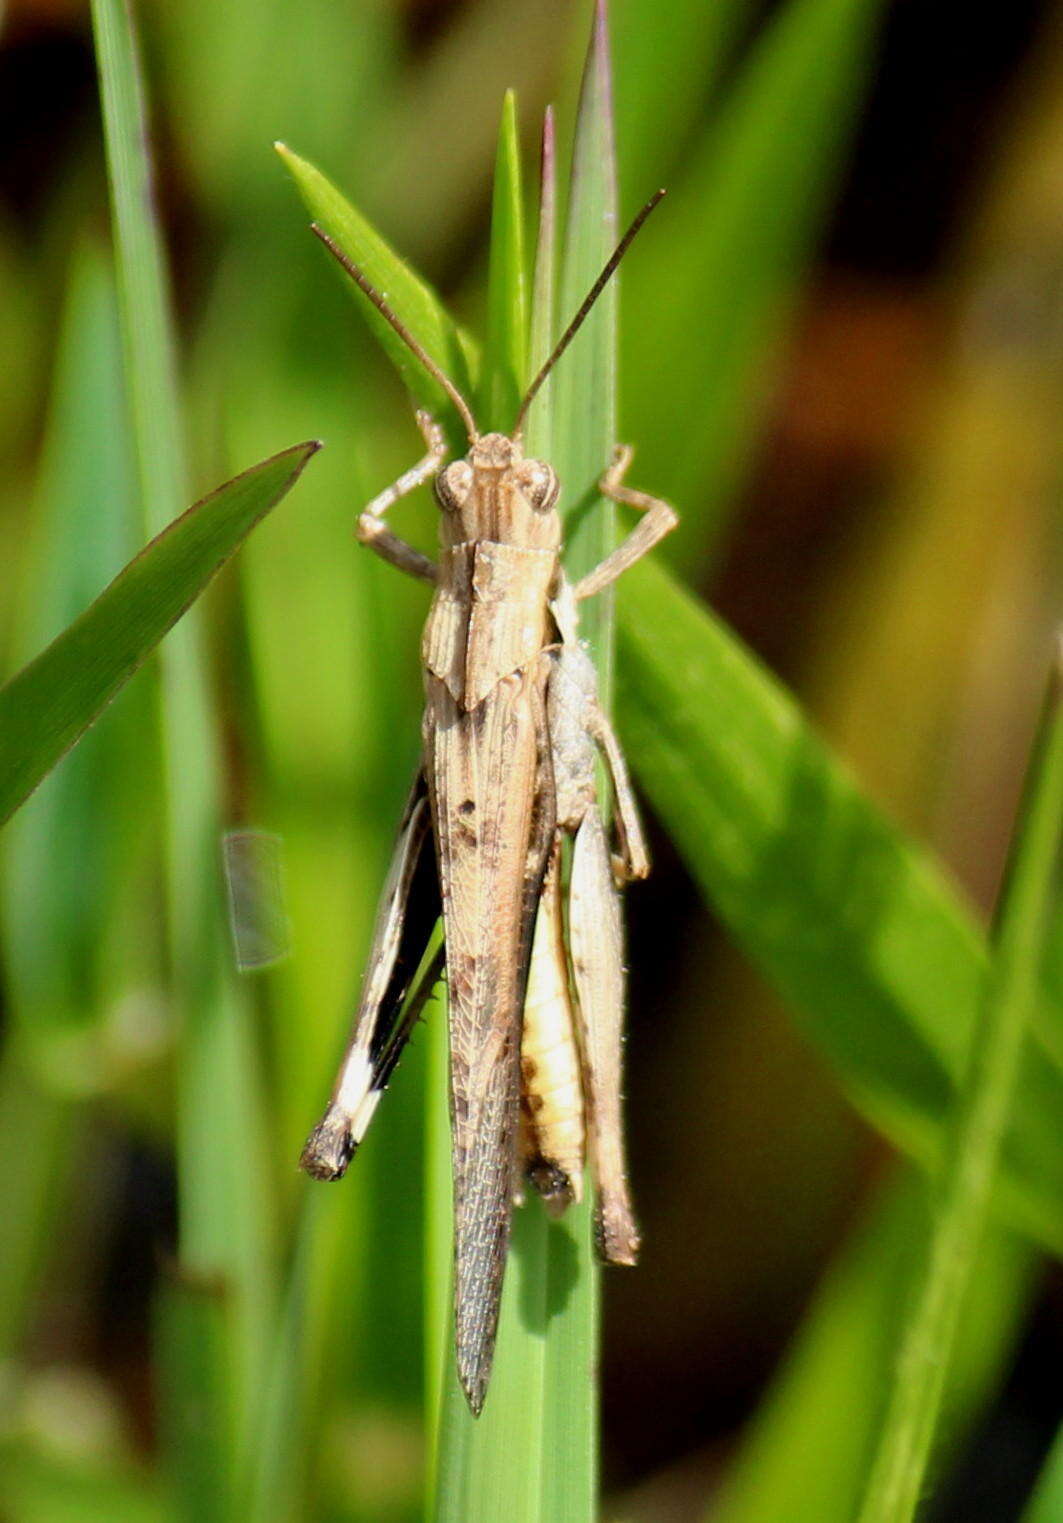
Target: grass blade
583	436
493	1466
538	427
552	1282
45	707
1028	898
505	358
408	296
856	927
69	956
585	383
143	287
215	1320
804	1453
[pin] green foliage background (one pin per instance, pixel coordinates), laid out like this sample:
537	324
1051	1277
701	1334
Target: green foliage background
287	1375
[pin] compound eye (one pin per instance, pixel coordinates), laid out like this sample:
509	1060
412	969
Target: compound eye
453	485
539	485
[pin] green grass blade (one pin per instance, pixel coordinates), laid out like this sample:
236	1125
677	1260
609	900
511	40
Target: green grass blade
583	435
143	287
68	954
1028	899
408	295
533	1455
585	386
804	1454
552	1283
505	357
58	909
855	926
215	1323
538	427
53	700
492	1466
463	1482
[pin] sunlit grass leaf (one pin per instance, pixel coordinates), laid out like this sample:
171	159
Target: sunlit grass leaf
407	294
534	1453
47	705
504	361
215	1354
503	1463
475	1469
69	954
538	426
856	926
143	285
585	383
57	906
1028	902
804	1452
583	432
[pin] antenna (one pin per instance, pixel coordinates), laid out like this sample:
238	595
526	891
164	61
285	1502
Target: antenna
379	302
588	302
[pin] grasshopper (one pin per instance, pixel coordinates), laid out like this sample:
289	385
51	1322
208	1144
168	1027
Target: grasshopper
511	734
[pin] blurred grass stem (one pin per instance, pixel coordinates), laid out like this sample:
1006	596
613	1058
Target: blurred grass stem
1021	926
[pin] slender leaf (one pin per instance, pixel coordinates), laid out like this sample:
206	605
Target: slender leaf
522	1346
585	385
143	286
504	363
583	433
493	1466
215	1321
852	922
407	295
804	1454
69	958
975	1134
53	700
538	428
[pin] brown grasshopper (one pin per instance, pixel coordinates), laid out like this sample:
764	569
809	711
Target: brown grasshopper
512	729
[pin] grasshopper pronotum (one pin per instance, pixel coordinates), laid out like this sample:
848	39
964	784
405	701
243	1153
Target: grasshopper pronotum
512	729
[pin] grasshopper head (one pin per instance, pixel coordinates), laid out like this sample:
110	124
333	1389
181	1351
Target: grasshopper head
496	494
